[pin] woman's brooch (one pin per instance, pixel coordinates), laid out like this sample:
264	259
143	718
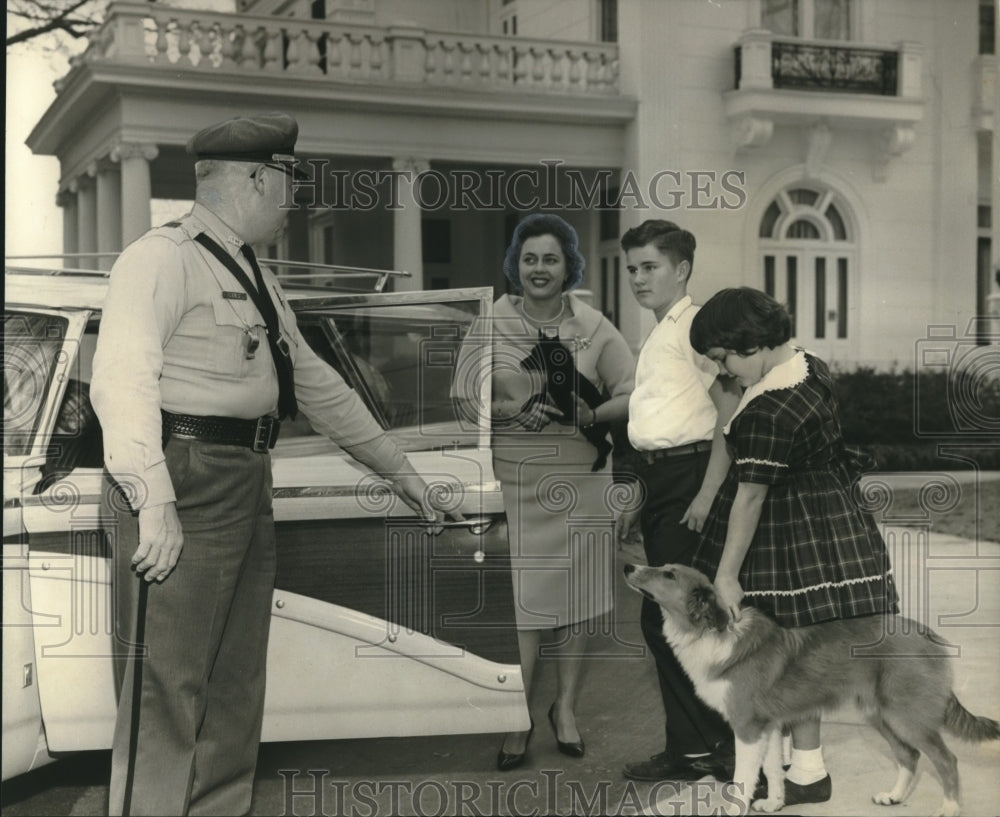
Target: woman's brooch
582	343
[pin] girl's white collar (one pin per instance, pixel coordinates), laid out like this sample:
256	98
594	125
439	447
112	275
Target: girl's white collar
783	376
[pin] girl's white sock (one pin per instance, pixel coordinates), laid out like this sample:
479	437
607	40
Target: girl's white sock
807	766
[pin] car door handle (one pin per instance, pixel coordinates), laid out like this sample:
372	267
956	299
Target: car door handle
477	525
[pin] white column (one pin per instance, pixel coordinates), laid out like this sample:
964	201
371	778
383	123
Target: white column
86	219
407	240
993	302
109	212
66	199
136	187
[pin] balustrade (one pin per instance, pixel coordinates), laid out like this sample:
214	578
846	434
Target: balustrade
212	41
764	62
834	68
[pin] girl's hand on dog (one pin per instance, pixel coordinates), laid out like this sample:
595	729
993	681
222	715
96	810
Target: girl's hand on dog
730	594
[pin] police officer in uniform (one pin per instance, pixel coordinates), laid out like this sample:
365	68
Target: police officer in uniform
197	359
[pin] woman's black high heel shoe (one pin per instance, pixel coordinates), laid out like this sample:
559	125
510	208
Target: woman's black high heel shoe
511	760
575	749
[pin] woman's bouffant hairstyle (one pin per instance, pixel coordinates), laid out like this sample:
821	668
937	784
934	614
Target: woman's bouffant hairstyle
545	224
674	242
741	319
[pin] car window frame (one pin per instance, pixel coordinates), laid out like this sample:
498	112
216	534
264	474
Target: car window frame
57	378
334	303
356	379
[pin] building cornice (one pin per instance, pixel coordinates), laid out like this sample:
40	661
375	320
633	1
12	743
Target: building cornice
92	86
89	82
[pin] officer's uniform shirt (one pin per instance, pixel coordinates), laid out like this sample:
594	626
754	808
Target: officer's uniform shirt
670	405
174	335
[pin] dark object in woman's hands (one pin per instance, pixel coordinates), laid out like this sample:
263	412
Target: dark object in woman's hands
563	383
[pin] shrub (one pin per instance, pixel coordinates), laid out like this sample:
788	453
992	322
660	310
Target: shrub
903	418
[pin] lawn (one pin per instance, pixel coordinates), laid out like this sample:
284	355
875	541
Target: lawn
965	510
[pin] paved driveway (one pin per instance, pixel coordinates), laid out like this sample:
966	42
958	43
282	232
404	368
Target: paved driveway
952	584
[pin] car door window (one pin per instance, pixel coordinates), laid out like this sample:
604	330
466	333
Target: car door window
33	351
401	354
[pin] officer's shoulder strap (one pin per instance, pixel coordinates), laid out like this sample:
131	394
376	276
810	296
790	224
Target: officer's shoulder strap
177	231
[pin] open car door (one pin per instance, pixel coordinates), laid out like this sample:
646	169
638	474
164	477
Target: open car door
379	628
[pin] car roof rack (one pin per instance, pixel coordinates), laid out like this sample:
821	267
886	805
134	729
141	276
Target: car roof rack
323	271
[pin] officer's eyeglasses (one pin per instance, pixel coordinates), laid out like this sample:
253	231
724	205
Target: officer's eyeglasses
287	170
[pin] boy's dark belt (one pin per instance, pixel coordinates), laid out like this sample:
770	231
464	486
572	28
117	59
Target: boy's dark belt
677	451
260	434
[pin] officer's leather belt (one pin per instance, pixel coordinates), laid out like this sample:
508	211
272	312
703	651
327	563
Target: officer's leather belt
677	451
259	435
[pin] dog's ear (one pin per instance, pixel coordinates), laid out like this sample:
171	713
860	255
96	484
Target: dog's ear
704	608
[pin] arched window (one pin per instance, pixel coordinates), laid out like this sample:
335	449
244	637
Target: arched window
808	254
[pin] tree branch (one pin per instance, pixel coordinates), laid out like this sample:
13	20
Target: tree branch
56	25
48	19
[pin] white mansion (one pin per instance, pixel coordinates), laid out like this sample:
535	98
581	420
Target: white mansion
837	153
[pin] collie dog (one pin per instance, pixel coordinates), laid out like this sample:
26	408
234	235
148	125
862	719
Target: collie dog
761	676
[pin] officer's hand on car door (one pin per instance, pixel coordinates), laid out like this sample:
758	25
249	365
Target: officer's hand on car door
411	488
160	542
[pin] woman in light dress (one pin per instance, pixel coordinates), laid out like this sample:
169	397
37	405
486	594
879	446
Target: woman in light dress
560	520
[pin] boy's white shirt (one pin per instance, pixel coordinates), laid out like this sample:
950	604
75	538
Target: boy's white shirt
670	405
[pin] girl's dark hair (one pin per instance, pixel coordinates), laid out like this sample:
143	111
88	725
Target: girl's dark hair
673	241
741	319
545	224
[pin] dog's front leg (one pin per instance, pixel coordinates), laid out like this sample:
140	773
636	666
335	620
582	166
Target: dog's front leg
749	756
774	773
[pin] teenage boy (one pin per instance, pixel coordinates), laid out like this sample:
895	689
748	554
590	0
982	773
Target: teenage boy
672	423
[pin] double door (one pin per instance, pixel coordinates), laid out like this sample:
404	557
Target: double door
817	289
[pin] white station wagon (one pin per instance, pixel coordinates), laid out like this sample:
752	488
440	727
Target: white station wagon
377	629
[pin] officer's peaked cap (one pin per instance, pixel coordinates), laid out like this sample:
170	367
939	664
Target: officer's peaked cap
266	137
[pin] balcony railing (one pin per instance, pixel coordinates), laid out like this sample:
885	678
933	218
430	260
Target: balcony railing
763	62
834	68
213	42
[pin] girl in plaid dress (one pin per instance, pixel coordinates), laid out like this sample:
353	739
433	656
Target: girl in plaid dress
784	533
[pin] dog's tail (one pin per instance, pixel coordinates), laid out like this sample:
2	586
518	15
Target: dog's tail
961	722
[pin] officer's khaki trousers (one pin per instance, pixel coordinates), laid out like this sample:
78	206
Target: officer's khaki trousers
189	744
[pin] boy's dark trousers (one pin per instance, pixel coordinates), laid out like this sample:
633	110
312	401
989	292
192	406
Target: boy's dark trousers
670	484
